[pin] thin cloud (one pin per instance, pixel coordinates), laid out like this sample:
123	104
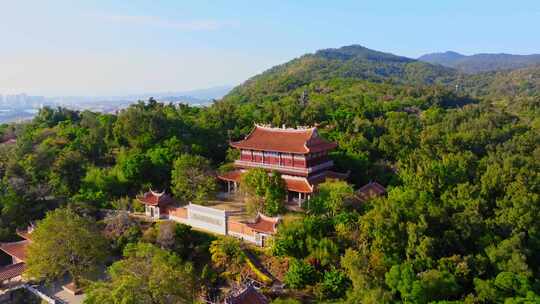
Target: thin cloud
155	21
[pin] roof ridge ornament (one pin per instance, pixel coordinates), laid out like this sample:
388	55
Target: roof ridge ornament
158	194
284	127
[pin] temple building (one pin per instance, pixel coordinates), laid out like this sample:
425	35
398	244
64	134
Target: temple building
300	155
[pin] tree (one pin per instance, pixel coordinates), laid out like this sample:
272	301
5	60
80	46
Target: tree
166	235
67	172
331	198
334	285
300	274
134	166
192	179
121	230
227	253
65	242
276	194
146	274
323	251
264	193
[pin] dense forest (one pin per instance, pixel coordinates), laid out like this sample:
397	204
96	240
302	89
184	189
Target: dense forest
460	156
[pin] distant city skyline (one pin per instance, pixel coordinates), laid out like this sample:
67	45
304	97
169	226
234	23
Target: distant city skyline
96	48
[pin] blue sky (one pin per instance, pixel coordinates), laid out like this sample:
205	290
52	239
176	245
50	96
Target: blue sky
100	47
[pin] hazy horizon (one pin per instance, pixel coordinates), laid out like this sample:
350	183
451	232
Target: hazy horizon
98	48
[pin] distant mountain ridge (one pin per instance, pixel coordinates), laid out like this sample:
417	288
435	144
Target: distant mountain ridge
357	63
481	62
350	62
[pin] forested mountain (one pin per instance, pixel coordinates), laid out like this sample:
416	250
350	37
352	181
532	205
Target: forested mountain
354	62
481	62
359	63
507	84
460	224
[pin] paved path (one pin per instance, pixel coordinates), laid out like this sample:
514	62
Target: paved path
69	298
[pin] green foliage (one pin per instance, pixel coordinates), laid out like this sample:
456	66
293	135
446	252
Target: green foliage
426	287
63	243
300	274
322	251
294	237
227	254
264	192
460	223
192	179
332	197
121	230
147	274
260	275
334	285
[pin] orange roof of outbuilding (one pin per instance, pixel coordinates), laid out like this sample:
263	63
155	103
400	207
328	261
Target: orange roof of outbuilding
11	271
298	184
264	224
156	199
16	249
231	176
285	140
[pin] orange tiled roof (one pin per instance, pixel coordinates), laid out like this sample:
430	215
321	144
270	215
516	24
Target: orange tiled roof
231	176
247	296
11	271
298	184
284	140
264	224
370	190
16	249
156	199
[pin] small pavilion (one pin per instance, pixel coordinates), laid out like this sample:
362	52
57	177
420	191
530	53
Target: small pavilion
370	191
156	203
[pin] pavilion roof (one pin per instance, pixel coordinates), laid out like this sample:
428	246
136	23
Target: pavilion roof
287	140
231	176
369	191
264	224
297	184
11	271
16	249
156	199
248	295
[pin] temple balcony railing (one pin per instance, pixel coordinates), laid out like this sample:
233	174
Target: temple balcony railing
301	171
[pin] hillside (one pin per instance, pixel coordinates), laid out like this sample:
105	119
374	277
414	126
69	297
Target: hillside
351	62
459	222
360	64
481	62
523	82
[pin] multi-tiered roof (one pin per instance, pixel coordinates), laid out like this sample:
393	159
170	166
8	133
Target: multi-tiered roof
299	154
286	140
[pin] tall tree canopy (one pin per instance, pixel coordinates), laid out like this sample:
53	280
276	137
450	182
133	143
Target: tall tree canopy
147	274
192	179
65	243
